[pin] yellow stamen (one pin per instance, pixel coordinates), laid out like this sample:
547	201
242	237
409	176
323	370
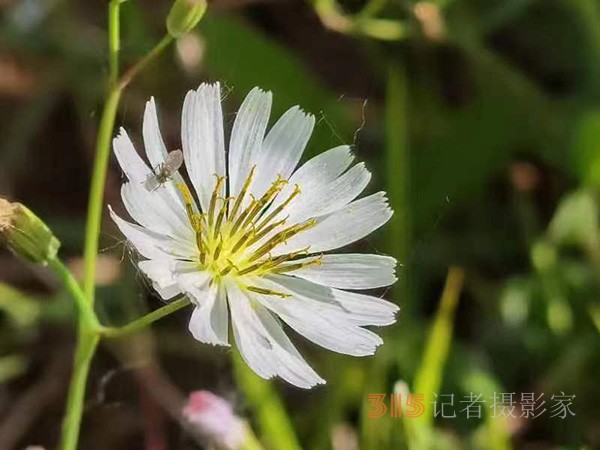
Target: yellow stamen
259	290
279	208
281	237
238	202
291	267
243	215
258	236
226	233
221	216
213	199
187	199
268	196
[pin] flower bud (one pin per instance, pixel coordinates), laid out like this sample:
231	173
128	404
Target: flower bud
25	234
212	418
184	16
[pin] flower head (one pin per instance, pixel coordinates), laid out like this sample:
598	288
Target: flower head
212	417
248	239
25	234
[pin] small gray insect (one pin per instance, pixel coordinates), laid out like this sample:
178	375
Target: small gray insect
165	171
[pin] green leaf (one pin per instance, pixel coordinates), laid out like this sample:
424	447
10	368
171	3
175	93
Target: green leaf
428	379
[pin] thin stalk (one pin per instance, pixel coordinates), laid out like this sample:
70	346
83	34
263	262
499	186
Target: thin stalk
86	313
87	343
107	123
88	334
114	40
133	71
96	197
145	321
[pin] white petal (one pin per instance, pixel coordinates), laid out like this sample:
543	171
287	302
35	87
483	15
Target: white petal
358	309
153	141
324	323
156	150
159	272
293	368
323	168
282	148
202	139
247	136
132	164
156	210
345	226
314	175
350	271
151	244
331	197
209	321
263	344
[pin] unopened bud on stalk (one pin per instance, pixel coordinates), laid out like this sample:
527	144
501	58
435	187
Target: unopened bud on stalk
184	16
25	234
212	418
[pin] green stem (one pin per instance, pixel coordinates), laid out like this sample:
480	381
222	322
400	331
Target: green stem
89	328
114	40
143	322
96	198
86	313
87	343
133	71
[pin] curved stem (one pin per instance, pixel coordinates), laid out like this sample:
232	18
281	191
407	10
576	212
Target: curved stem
146	320
86	312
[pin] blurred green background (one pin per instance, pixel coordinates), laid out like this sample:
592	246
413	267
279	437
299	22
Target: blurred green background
481	118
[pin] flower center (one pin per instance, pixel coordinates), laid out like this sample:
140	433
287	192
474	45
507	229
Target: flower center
236	239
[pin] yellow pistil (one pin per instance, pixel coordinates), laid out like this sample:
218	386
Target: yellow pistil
234	240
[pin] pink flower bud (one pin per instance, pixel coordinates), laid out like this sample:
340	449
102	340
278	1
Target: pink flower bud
213	418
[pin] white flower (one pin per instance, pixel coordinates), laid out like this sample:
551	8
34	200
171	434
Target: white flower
251	243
